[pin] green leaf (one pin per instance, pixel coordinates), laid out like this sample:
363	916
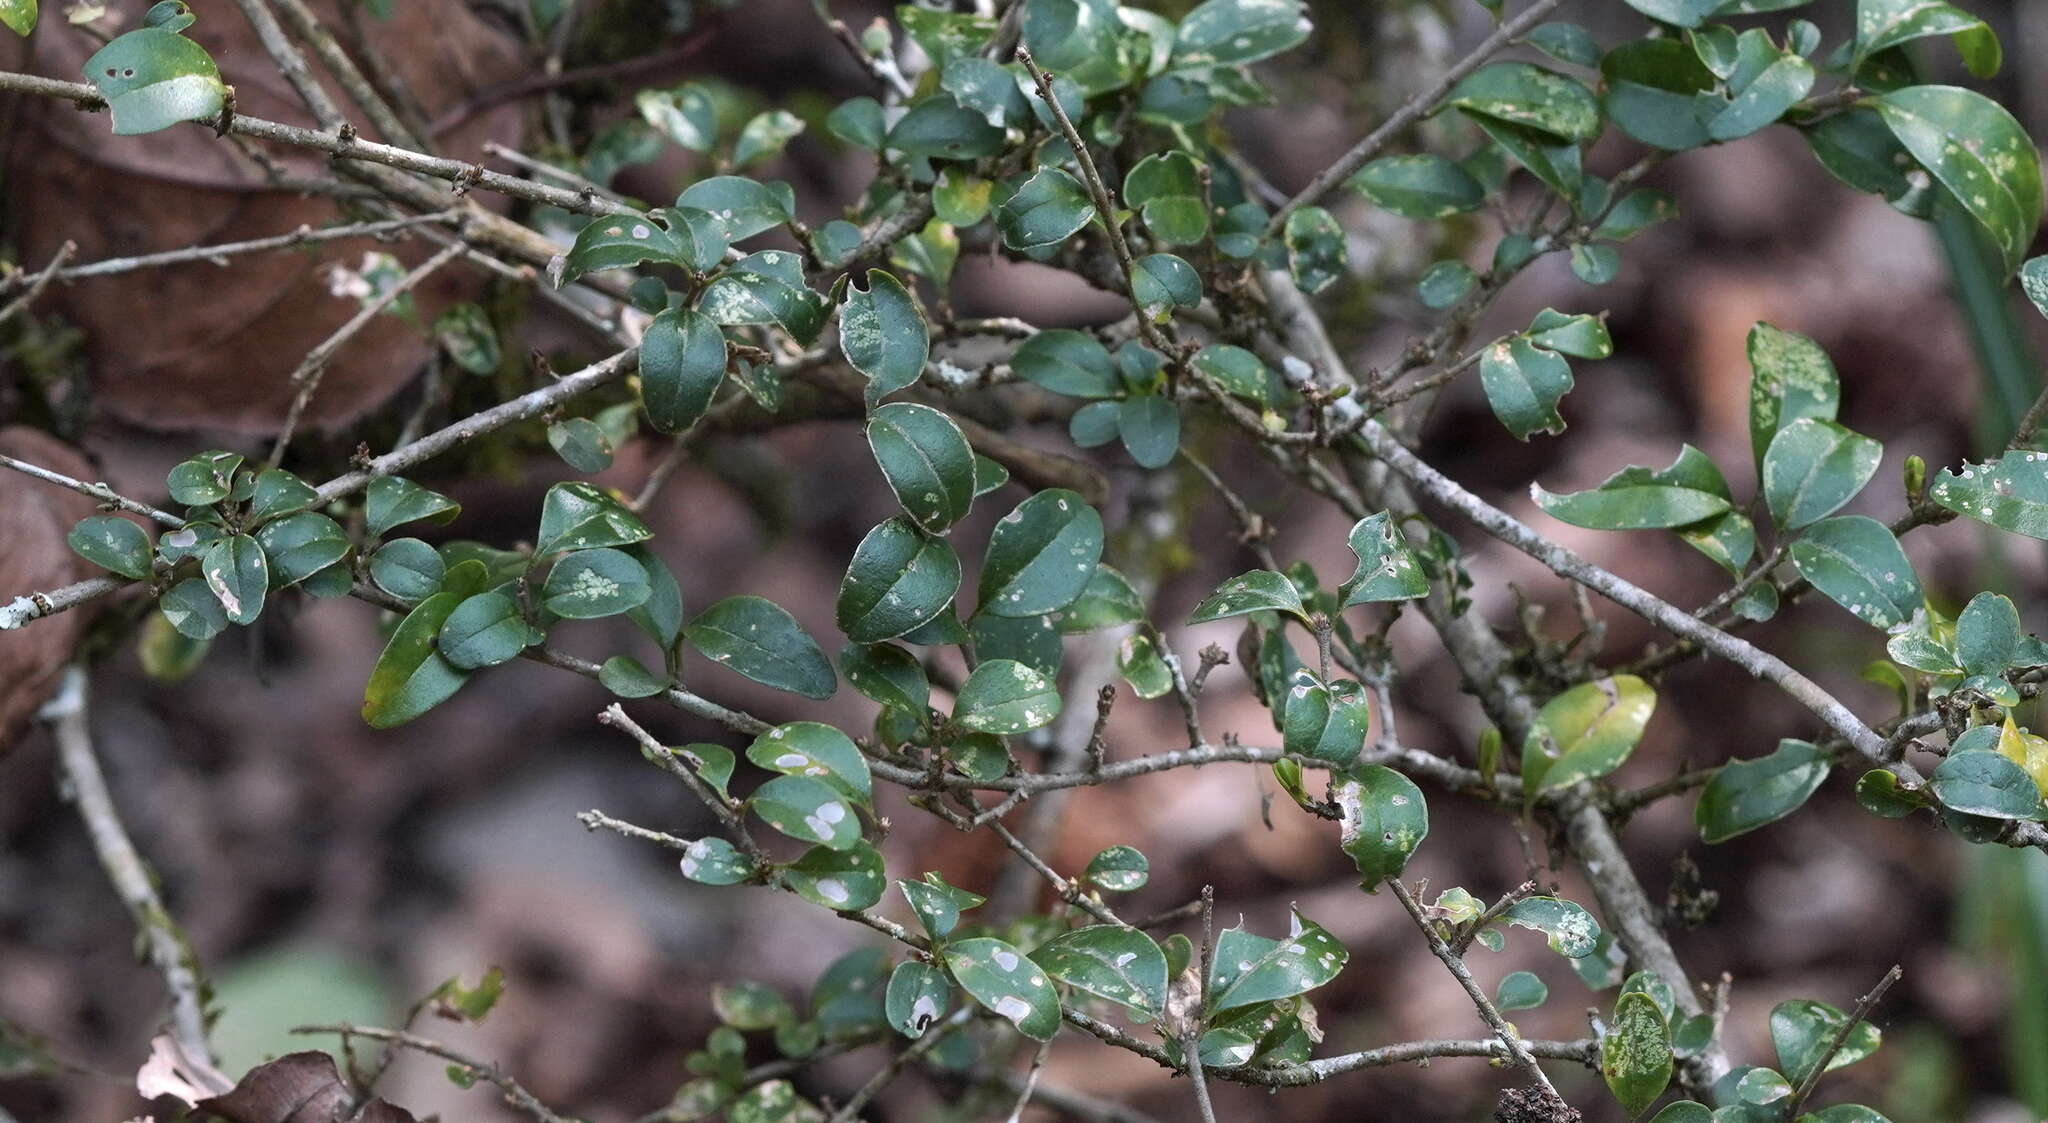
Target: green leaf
701	239
1166	187
1657	92
1161	282
1844	1113
1985	783
579	516
1531	97
628	677
741	206
1582	336
1249	969
154	78
1096	424
1635	1056
1047	210
1120	869
682	364
1003	697
1684	13
1813	467
1150	427
390	501
1387	567
938	905
1572	930
483	631
1446	284
757	638
714	861
775	1101
842	879
1316	255
279	493
899	579
411	677
1325	722
1067	362
112	543
927	461
19	16
1802	1030
1565	42
1633	499
1041	555
2011	494
1002	979
1879	793
1171	99
2034	282
1857	563
889	675
883	334
1764	98
767	134
1384	819
1747	794
941	128
766	288
590	584
687	115
809	748
408	569
1523	384
302	545
1791	378
1235	32
581	444
1257	591
961	198
1419	186
1996	177
1987	635
1109	961
1520	990
1585	733
1139	662
191	609
987	88
1236	370
660	616
1883	24
859	122
1105	602
238	575
205	479
615	242
807	809
918	996
1857	147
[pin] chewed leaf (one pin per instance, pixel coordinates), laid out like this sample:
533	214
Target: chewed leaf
154	78
2011	494
1109	961
1249	968
1260	590
1572	930
1004	980
1387	569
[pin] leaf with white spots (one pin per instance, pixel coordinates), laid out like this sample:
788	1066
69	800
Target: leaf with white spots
773	1102
1857	563
112	543
1119	869
919	994
842	880
1585	733
1326	722
1249	968
1803	1031
1882	24
1986	783
809	748
1109	961
927	461
1045	211
1790	378
237	572
766	288
1573	932
1139	662
807	809
1041	555
1813	467
1523	384
1004	696
618	241
888	674
899	579
301	545
204	479
759	639
883	334
1007	982
741	206
391	501
1260	590
938	905
154	78
1384	820
1105	602
1387	568
1979	152
1235	32
2011	494
191	610
590	584
1635	1056
714	861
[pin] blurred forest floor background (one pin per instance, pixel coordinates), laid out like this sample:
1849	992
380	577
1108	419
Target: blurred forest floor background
330	872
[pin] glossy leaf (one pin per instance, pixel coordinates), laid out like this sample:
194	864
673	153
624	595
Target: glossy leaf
1161	282
938	905
1235	32
918	995
1003	697
807	809
1520	93
1106	601
841	879
1119	869
1067	362
615	242
1520	990
1996	177
1985	783
741	206
1572	930
1109	961
1384	819
411	677
1316	255
1047	210
391	501
766	288
1523	384
1585	733
1635	1056
190	608
760	640
1791	378
1813	467
590	584
883	335
1883	24
899	578
714	861
927	461
1041	555
580	516
483	631
809	748
154	78
888	674
112	543
1802	1029
2011	494
682	364
238	575
1857	563
1747	794
1167	189
1002	979
1248	968
1326	723
1419	186
302	545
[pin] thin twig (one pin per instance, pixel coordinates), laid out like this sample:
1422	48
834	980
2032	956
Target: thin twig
42	281
219	254
488	1071
1455	963
1840	1038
